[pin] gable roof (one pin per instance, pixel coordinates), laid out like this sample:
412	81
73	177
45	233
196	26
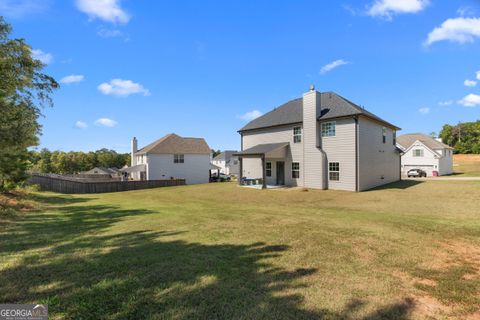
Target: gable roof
174	144
406	140
332	106
225	155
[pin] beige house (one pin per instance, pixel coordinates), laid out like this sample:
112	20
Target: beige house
421	151
171	157
322	141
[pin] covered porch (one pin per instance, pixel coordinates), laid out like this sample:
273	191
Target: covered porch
263	152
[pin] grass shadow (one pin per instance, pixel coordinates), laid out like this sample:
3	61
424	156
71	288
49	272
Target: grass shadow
63	257
402	185
141	275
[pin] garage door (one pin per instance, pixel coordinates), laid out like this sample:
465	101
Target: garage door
427	168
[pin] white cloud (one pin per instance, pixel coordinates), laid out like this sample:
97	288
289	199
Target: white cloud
105	122
73	78
122	88
387	8
461	30
424	110
333	65
249	116
446	103
478	74
465	11
81	125
470	83
44	57
470	100
109	33
19	8
107	10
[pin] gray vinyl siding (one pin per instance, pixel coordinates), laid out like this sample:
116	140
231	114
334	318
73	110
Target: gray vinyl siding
252	166
378	163
341	148
314	164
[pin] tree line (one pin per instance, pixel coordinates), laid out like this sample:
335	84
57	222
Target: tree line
24	92
46	161
464	137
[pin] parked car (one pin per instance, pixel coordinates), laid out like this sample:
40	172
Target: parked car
221	178
416	173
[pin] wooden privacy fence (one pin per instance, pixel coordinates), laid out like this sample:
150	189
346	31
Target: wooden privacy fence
61	184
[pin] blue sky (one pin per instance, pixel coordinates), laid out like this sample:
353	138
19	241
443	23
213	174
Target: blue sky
202	68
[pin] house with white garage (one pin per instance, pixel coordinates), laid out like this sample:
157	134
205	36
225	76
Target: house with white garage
171	157
421	151
320	140
227	163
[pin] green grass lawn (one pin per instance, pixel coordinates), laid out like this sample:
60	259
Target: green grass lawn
218	251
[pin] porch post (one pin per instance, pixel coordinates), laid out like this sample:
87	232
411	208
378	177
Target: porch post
264	173
240	174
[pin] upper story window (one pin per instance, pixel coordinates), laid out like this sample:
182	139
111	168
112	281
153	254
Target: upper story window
328	129
178	158
268	169
297	134
394	138
417	152
334	171
384	135
295	170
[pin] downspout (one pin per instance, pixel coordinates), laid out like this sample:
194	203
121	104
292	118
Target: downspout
356	154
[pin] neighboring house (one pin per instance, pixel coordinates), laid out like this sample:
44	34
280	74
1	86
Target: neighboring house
227	162
421	151
102	171
323	141
171	157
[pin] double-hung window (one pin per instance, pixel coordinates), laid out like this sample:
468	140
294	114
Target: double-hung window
394	138
334	171
268	169
295	170
384	135
178	158
328	129
417	152
297	134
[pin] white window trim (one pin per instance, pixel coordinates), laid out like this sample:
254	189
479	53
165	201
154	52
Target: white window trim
178	158
333	171
297	134
422	153
334	123
296	170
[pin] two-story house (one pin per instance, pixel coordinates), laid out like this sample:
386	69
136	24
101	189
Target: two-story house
421	151
227	162
322	141
171	157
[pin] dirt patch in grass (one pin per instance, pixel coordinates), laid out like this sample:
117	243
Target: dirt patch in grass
448	284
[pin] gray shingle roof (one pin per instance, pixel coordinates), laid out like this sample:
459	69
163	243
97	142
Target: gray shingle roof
332	105
262	148
406	140
172	143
